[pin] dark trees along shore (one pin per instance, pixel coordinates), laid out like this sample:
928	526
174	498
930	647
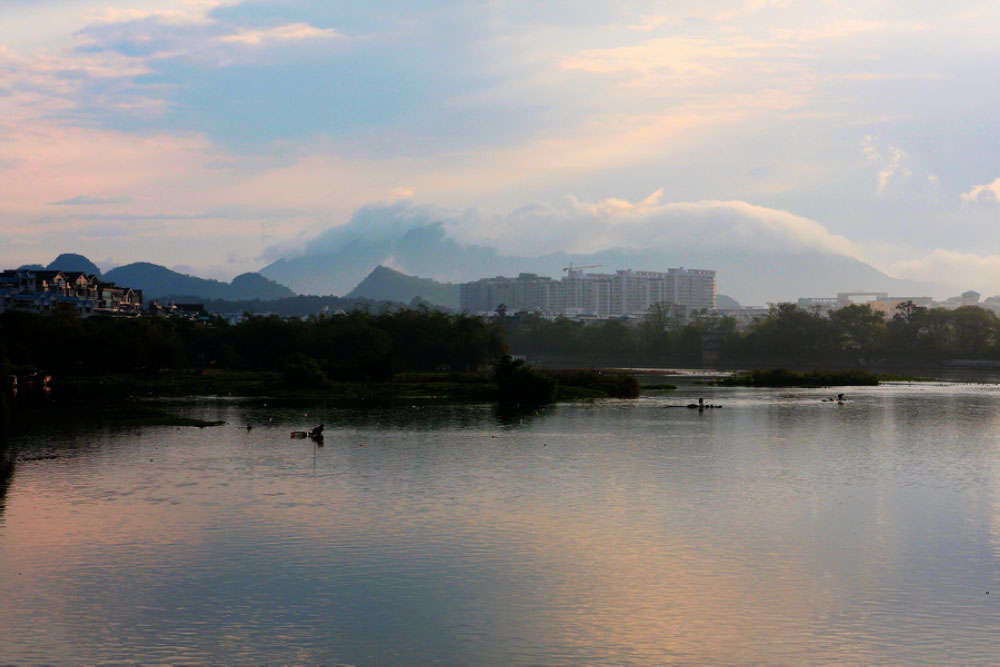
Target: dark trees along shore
787	335
354	346
368	347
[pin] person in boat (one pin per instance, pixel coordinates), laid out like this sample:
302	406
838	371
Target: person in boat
702	405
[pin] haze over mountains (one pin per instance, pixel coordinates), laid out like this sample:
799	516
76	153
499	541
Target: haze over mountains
758	258
399	251
252	292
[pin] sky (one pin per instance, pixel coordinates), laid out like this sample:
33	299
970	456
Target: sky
216	136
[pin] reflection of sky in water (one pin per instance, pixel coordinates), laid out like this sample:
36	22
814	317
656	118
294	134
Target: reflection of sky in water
778	529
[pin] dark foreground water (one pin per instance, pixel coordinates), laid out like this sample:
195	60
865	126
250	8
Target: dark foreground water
777	529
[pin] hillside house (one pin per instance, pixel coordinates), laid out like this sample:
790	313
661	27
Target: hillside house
43	291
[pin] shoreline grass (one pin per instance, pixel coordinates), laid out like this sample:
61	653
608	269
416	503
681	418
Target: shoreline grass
891	377
781	377
478	387
146	416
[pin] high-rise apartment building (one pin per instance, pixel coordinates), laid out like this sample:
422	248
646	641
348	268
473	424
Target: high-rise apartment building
624	292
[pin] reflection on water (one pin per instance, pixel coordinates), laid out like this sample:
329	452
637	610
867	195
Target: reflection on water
777	529
6	469
6	448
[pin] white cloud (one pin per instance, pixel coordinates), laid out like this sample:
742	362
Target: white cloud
578	226
989	192
165	16
46	84
284	33
870	148
892	170
959	270
193	34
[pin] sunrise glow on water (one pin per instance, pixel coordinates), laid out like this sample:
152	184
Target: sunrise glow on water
777	528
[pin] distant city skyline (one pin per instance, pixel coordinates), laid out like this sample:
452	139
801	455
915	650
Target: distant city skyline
215	137
598	294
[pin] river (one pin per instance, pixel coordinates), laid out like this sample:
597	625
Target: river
777	529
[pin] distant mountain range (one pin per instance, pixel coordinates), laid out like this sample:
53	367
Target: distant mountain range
754	262
338	261
159	282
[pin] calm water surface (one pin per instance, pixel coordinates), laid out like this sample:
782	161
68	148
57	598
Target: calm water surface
778	529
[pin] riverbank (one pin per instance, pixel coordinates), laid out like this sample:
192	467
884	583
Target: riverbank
781	377
960	370
404	387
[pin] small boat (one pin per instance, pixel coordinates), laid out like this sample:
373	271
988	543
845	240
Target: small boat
702	405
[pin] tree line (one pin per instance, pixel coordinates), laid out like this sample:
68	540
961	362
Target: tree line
355	346
850	335
374	346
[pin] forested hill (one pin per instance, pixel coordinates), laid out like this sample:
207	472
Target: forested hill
385	284
158	282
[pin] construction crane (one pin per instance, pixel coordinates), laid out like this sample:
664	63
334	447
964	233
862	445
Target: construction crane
577	268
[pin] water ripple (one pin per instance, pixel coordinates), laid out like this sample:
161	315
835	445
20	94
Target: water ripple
779	529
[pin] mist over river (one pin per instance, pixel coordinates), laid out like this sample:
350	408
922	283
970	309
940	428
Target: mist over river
779	528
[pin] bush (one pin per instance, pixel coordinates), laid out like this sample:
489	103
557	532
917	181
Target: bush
610	385
303	371
520	384
781	377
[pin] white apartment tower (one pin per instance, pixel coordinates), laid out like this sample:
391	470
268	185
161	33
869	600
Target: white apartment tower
624	292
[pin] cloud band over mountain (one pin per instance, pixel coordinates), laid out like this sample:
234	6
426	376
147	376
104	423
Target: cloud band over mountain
761	254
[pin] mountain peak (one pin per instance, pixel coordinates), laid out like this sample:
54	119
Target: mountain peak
383	270
256	286
70	261
387	284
